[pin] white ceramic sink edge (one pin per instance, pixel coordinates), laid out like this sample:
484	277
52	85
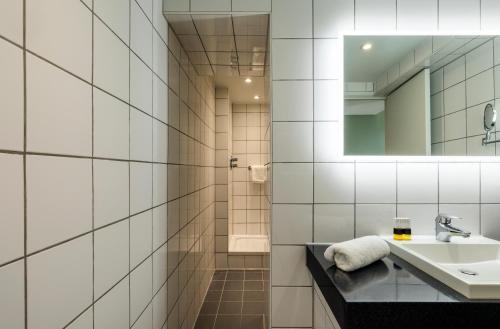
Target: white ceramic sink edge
453	262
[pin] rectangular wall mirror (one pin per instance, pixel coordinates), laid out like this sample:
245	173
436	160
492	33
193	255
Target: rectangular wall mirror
421	95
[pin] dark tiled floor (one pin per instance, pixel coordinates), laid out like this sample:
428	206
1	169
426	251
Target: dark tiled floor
236	300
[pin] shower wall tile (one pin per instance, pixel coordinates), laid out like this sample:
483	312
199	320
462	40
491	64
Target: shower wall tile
54	23
107	238
12	102
12	208
12	297
52	275
11	20
59	188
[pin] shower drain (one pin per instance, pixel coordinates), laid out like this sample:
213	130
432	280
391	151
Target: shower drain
468	272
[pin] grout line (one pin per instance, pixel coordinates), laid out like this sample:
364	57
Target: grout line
93	173
25	197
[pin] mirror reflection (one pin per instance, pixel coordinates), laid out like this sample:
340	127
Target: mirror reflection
421	95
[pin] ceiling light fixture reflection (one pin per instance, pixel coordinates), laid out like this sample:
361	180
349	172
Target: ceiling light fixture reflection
256	97
366	46
248	80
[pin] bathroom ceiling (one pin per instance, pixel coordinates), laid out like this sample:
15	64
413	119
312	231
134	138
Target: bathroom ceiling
369	65
227	45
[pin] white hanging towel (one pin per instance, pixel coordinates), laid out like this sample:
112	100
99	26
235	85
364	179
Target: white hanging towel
259	174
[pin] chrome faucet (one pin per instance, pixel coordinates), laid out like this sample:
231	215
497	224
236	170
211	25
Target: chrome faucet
444	229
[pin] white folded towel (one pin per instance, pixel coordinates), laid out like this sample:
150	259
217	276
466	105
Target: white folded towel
259	174
354	254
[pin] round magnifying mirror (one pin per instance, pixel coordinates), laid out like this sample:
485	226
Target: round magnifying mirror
490	117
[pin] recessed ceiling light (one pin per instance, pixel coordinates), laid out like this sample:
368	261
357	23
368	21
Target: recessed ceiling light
248	80
256	97
366	46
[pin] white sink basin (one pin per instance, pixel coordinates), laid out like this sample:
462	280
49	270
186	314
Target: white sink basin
470	266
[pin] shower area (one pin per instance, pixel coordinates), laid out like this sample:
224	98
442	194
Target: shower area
233	50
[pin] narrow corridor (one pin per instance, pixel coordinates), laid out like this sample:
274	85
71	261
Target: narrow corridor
236	300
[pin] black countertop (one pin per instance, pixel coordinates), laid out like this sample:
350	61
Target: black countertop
391	293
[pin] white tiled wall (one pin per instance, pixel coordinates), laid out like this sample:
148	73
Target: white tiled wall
250	144
457	104
91	126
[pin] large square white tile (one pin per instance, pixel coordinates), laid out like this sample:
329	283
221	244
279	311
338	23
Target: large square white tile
292	224
459	15
111	191
141	34
159	268
326	59
292	59
454	72
291	307
455	125
141	85
381	14
59	279
159	183
375	182
160	100
141	288
11	20
459	183
111	126
454	98
480	59
456	147
374	219
52	24
111	256
468	213
417	183
480	88
162	224
422	217
57	189
160	141
437	130
437	105
489	221
141	234
475	120
326	105
141	137
437	81
160	57
291	19
111	62
12	297
292	141
59	110
490	182
112	310
421	15
326	141
11	207
293	182
141	180
333	222
115	13
289	266
334	183
332	17
12	100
